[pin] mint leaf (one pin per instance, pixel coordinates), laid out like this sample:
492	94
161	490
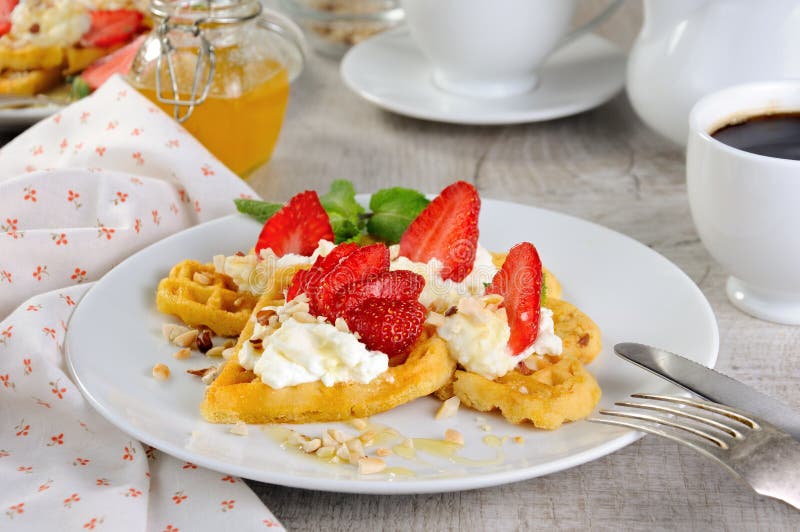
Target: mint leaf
393	209
260	210
343	210
79	89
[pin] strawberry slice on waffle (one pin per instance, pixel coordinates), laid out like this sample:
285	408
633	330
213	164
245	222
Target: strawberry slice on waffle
446	230
519	281
297	227
388	325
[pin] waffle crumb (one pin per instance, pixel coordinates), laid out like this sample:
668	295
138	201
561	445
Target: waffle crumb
369	465
240	428
161	372
453	436
449	408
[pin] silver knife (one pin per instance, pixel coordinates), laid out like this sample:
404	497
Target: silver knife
710	384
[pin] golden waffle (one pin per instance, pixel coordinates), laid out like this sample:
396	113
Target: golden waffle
200	296
550	396
240	395
31	57
29	82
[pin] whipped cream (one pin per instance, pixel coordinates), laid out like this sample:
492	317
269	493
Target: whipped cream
477	337
56	22
307	351
253	275
439	294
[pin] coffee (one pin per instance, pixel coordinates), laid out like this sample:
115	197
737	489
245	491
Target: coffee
774	135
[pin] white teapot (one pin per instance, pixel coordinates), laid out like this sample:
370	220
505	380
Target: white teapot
688	48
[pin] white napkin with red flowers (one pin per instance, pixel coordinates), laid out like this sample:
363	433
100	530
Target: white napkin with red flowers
79	192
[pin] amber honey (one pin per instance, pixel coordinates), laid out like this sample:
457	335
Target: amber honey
240	120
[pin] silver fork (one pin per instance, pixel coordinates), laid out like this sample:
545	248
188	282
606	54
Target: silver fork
764	457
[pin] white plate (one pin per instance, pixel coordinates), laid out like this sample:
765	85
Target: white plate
391	72
633	293
19	119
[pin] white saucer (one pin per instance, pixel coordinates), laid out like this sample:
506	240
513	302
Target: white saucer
391	72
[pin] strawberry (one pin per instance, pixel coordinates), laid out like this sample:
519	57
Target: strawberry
6	7
118	62
361	265
388	325
297	227
304	279
399	285
448	230
519	281
112	27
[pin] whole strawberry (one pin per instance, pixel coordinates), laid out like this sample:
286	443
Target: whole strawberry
388	325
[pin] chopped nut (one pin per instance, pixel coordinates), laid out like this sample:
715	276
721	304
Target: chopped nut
229	343
369	465
448	408
172	331
358	423
304	317
338	435
257	342
518	439
486	428
219	263
523	389
356	448
204	342
341	325
186	339
199	372
182	354
452	310
453	436
326	451
343	453
240	429
408	442
367	437
263	316
240	254
201	278
492	299
312	445
295	438
215	351
210	374
383	451
328	441
228	353
161	372
435	319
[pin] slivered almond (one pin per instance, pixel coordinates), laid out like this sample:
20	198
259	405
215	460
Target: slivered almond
186	339
370	466
328	441
199	372
172	330
210	374
215	351
356	448
358	423
435	319
341	325
367	437
449	408
228	353
312	445
182	354
453	436
338	435
326	451
263	316
304	317
343	453
295	438
383	451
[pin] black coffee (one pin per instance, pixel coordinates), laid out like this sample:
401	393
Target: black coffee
775	135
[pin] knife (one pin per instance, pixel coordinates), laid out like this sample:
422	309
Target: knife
710	384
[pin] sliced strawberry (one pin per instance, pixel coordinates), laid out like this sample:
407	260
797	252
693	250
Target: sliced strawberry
400	285
6	7
112	27
297	227
388	325
118	62
519	281
448	230
303	280
361	265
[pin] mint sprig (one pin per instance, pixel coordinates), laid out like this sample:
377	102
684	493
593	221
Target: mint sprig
393	209
343	210
260	210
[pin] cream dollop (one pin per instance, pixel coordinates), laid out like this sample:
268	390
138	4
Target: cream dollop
56	22
477	337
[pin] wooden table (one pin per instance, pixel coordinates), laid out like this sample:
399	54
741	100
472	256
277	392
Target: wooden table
604	166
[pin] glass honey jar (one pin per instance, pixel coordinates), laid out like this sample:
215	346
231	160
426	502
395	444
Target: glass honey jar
223	69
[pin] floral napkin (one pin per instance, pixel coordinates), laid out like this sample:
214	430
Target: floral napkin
79	192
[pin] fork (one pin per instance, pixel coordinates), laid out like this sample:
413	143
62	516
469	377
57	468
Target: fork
752	450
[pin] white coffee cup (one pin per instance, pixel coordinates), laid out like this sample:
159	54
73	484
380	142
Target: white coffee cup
492	49
746	207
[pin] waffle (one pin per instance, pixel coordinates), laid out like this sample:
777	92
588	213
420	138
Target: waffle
29	82
200	296
549	397
239	395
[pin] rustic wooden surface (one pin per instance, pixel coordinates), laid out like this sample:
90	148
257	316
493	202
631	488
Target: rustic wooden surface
604	166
